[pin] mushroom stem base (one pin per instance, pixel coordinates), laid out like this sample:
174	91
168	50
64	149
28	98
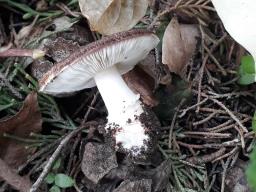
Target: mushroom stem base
124	111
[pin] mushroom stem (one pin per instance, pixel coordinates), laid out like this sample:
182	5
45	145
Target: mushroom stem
124	111
119	99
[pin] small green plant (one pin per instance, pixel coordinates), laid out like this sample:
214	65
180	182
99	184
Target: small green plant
254	122
247	71
251	169
247	74
250	172
58	180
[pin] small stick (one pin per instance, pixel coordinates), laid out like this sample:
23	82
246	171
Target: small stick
208	134
237	94
215	60
240	132
205	59
52	159
226	155
205	109
224	173
173	122
205	119
230	114
234	142
213	129
224	128
15	52
207	158
184	111
90	107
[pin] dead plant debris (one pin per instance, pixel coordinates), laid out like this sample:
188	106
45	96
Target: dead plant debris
20	126
205	137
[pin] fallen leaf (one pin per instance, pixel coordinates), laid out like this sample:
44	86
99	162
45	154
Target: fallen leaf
140	82
159	71
179	44
27	120
160	176
9	175
112	16
81	35
143	185
97	161
63	23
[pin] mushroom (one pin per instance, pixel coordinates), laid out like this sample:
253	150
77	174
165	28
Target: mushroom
238	19
102	63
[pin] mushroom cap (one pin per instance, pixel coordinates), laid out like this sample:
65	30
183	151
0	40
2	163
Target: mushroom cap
77	72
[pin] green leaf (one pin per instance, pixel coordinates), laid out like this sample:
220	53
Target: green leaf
50	178
63	181
254	122
251	170
247	71
247	64
54	188
246	79
56	164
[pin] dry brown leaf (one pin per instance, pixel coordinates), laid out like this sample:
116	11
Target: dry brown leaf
140	82
27	120
179	44
159	72
9	175
112	16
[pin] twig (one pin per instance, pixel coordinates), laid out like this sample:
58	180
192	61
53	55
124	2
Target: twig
234	142
208	157
208	134
67	11
213	129
224	128
77	188
90	107
205	109
224	172
229	95
230	114
205	59
173	121
72	153
52	159
15	52
240	132
226	155
184	111
183	6
205	119
215	60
